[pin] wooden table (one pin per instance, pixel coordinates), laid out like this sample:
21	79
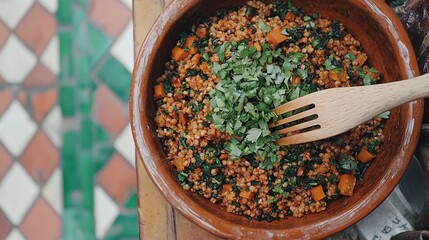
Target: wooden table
157	219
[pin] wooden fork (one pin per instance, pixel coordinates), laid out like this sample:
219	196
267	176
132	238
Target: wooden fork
336	110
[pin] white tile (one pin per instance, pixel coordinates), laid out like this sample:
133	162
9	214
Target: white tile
50	57
105	211
50	5
17	191
124	144
12	11
16	60
53	191
52	126
16	128
128	3
15	234
123	48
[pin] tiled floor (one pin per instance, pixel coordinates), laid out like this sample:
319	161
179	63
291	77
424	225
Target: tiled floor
66	152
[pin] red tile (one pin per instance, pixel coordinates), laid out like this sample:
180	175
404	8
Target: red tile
6	97
42	102
5	163
39	77
40	158
118	178
110	112
5	226
37	28
4	33
22	97
41	222
110	15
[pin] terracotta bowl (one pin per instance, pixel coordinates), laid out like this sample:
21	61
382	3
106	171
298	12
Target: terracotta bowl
389	49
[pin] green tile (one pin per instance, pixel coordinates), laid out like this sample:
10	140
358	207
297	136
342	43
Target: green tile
103	153
66	55
64	12
86	170
101	135
83	72
86	134
67	100
68	161
117	77
99	43
132	201
79	27
124	227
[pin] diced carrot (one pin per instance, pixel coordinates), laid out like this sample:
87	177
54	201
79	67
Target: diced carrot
364	155
361	59
347	184
342	76
179	54
257	46
202	32
159	91
247	194
196	58
317	193
179	164
189	44
205	67
183	118
275	37
290	17
227	188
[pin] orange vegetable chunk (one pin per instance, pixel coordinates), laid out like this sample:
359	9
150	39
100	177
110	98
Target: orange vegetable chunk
179	54
227	188
159	91
347	184
317	193
364	155
189	44
290	17
275	37
202	32
247	194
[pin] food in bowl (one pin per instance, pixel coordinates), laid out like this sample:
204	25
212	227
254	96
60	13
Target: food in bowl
226	74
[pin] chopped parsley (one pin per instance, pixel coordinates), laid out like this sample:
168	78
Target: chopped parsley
251	84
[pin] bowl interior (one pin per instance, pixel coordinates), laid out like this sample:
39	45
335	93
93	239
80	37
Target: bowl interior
389	51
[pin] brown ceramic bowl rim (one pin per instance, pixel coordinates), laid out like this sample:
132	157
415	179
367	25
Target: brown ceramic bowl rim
215	224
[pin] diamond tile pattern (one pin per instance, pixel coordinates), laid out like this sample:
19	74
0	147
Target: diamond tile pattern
53	191
4	33
50	56
11	12
16	60
84	49
50	5
42	103
5	226
16	203
40	158
5	162
110	112
33	228
15	235
117	179
105	211
16	128
6	97
113	26
121	49
52	126
36	28
125	145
